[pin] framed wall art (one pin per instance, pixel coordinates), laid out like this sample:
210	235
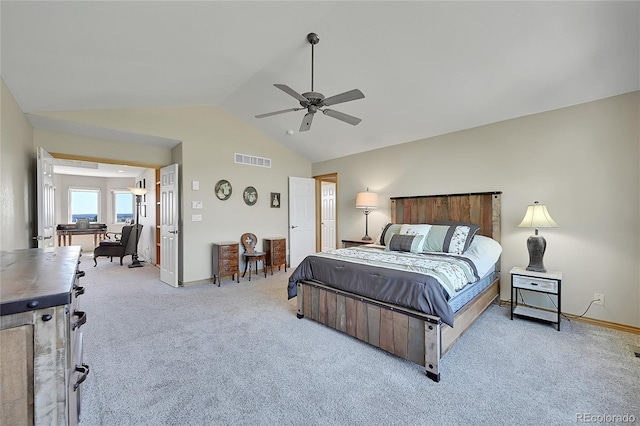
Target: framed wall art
223	190
250	195
275	200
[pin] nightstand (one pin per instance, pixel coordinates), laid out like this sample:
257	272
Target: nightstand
225	261
541	282
355	242
276	249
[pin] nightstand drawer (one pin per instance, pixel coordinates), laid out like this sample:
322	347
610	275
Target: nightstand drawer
532	283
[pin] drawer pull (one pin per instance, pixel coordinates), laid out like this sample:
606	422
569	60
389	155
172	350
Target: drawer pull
79	291
80	274
534	283
46	317
84	369
81	320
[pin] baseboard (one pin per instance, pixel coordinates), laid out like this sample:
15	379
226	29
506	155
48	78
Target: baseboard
192	283
602	323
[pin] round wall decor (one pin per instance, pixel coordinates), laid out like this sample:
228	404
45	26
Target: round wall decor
250	195
223	189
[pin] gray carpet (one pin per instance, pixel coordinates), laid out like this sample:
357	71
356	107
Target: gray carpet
237	354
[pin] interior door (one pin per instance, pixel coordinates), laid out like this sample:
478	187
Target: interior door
169	229
302	219
328	219
45	198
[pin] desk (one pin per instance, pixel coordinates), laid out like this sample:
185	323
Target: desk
64	230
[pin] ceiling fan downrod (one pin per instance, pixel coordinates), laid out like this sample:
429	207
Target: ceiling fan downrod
313	39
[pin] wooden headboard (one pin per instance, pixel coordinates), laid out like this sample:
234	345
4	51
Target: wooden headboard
481	208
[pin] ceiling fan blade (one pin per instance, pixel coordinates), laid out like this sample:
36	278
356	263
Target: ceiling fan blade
342	116
351	95
269	114
291	92
306	122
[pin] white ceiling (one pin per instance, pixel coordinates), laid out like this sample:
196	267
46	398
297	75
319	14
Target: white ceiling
426	68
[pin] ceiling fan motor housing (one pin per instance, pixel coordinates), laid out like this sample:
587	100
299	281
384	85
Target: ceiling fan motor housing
314	98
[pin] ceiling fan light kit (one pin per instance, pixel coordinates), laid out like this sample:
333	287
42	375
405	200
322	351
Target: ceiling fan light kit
314	101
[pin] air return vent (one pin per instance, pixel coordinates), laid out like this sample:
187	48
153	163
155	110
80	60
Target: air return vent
252	160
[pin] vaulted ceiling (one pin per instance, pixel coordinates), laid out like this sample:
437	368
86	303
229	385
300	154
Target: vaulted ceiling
425	68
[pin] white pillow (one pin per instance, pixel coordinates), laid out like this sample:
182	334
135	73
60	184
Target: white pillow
413	229
484	252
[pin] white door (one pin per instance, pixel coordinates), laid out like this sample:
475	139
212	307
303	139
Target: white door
328	219
169	230
302	219
45	198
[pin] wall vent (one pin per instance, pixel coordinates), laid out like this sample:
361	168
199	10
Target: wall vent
252	160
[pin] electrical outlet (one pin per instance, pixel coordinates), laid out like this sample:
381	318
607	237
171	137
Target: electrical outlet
599	299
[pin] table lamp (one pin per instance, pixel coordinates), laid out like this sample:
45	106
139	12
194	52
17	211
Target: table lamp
367	201
536	217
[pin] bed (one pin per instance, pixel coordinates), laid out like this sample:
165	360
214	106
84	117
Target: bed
421	332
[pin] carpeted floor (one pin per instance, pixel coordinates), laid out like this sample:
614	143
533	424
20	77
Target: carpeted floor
237	355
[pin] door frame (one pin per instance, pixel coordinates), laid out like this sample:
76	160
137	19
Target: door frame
156	167
331	178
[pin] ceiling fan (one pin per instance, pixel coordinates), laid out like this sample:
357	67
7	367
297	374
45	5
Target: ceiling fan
315	101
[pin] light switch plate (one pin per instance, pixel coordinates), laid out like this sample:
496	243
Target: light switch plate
195	185
196	204
196	218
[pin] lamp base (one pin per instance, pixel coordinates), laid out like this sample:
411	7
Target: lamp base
366	238
537	246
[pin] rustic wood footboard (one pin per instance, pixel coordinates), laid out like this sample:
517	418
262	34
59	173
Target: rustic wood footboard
408	334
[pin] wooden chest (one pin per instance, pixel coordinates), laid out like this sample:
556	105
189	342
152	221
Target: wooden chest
225	261
276	249
41	351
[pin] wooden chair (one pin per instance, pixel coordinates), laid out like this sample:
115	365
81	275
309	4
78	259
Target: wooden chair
125	245
250	254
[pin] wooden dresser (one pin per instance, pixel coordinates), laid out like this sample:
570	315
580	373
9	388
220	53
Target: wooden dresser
276	249
225	261
41	351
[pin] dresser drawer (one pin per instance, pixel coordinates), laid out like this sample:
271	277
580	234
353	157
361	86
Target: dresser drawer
228	254
532	283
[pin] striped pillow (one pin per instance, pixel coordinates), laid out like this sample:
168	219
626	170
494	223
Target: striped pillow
450	237
408	243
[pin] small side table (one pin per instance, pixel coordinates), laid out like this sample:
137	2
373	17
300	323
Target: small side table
276	249
225	261
355	242
549	282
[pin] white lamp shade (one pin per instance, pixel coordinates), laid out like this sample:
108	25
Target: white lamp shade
537	216
137	191
367	200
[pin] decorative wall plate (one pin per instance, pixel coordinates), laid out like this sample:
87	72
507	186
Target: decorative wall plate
223	189
250	195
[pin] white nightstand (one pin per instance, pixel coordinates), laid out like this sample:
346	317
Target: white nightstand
542	282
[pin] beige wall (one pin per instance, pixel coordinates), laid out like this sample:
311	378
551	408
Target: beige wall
582	162
17	183
85	146
209	138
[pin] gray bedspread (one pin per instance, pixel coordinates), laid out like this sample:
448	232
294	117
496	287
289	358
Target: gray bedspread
414	290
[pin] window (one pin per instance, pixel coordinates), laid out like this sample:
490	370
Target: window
84	204
122	207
